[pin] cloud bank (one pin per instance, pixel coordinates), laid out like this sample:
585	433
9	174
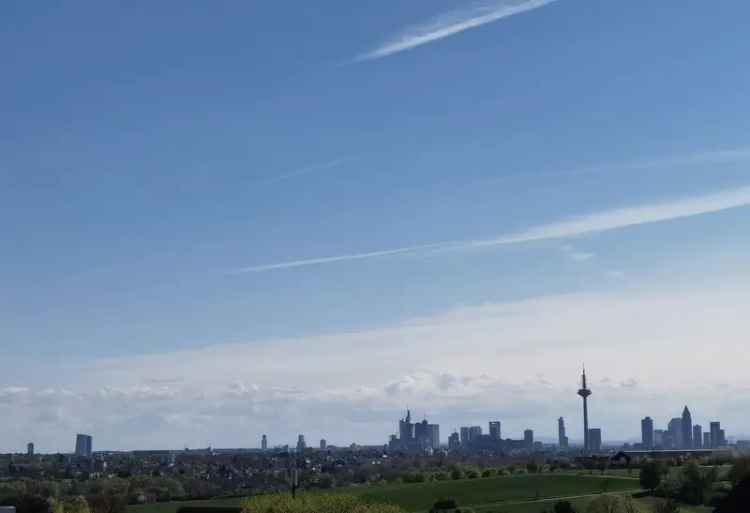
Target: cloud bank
576	226
450	24
517	361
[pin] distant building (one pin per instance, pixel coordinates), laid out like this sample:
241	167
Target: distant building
562	438
416	437
595	439
30	449
674	428
707	440
528	438
495	433
475	432
406	429
715	428
722	438
264	443
454	441
647	433
659	438
687	430
301	445
464	435
84	446
697	436
323	444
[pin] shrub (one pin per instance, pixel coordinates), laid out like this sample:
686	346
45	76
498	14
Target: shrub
314	503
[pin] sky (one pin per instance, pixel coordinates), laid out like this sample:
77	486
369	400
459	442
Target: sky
224	219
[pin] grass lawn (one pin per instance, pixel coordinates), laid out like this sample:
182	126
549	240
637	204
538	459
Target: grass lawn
484	495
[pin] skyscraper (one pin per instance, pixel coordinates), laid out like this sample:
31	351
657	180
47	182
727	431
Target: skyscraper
674	428
406	429
707	440
323	444
434	435
495	430
595	439
585	393
562	439
647	433
84	446
687	429
528	438
475	432
715	427
464	435
454	442
30	449
697	436
301	445
264	443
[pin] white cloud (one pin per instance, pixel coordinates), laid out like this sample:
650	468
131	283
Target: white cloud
572	227
516	361
450	24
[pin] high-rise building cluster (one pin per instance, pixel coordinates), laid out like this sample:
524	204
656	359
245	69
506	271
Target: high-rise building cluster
681	433
419	436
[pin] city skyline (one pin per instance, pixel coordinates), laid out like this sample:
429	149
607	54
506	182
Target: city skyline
418	436
261	219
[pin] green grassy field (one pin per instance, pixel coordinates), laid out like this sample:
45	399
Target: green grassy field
484	495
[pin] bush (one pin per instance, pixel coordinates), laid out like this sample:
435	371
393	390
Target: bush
314	503
652	473
563	507
613	504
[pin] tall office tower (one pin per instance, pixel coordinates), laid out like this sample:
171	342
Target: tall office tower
697	436
562	439
585	393
433	430
659	438
420	434
687	429
722	438
475	432
454	441
323	444
595	439
707	440
464	435
406	428
84	446
30	449
301	445
528	438
675	433
264	443
647	433
715	427
495	430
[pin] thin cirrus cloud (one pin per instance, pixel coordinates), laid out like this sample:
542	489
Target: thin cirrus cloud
450	24
581	225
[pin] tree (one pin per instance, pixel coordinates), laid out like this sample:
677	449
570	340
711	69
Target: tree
740	470
76	504
563	507
695	483
738	499
613	504
666	506
651	475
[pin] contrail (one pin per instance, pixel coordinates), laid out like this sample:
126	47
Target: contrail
450	24
581	225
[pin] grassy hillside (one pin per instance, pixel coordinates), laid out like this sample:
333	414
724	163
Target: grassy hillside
494	494
476	492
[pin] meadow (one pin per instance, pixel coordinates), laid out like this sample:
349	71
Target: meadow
511	494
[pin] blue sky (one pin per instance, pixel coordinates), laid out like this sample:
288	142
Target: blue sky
159	163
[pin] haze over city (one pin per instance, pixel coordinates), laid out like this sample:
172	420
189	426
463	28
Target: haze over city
264	218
